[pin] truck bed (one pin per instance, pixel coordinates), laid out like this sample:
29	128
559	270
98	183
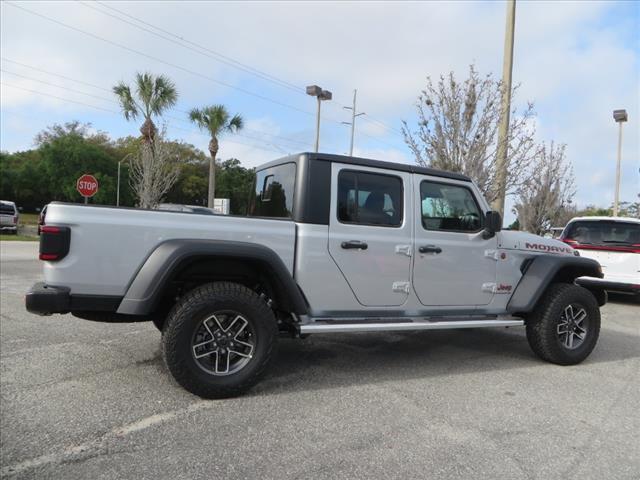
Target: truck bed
110	244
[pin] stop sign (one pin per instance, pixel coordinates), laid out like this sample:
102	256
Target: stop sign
87	185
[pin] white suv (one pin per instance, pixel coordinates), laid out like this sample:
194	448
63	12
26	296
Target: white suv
8	216
615	243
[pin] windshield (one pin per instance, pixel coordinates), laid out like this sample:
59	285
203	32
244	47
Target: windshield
602	233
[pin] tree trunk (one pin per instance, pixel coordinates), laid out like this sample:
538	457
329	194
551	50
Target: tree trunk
148	131
213	151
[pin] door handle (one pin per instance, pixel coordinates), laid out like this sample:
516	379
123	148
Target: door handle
429	249
354	244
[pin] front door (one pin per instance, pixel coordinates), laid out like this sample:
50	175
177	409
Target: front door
370	232
454	265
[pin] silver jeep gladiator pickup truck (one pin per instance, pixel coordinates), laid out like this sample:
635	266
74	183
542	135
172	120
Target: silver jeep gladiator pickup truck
330	244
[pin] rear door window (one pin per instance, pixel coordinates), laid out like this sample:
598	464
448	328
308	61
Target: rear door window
369	199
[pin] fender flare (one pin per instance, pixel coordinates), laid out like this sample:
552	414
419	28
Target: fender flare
145	291
541	272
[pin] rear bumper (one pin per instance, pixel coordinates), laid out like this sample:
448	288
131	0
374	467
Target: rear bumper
43	299
12	228
590	282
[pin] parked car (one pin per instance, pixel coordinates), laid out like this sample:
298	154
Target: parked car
9	217
331	244
615	243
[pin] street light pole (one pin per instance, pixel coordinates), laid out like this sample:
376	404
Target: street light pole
316	91
503	128
317	146
353	120
620	116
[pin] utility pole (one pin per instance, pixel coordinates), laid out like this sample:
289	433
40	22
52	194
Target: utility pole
620	116
118	187
316	91
353	120
503	128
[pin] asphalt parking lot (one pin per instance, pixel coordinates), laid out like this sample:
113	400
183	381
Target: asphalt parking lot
89	400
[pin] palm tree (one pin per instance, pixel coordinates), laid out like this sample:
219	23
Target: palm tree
216	121
154	94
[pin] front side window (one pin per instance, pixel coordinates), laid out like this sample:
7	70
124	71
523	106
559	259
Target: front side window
369	199
449	208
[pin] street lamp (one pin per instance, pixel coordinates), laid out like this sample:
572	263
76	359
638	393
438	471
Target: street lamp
620	116
320	94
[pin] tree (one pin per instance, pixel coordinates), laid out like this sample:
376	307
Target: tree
235	183
155	94
457	131
154	170
542	202
216	121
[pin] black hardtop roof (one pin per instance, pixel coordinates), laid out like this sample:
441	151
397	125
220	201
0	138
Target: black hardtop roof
366	162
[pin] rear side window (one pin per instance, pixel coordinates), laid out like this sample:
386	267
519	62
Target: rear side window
450	208
273	192
602	233
6	209
369	199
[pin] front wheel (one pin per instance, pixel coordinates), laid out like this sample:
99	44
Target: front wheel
565	325
219	339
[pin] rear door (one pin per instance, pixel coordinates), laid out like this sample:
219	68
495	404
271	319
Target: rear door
370	232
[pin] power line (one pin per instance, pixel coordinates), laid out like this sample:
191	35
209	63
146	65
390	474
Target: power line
58	86
217	56
299	142
191	72
67	100
56	74
59	98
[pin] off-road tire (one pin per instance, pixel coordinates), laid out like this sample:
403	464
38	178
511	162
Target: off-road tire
188	314
542	324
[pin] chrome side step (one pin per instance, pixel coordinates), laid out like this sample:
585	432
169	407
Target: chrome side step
396	326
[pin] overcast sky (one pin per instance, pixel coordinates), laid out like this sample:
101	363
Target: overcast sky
576	60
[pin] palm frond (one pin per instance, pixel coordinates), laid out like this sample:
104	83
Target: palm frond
130	108
236	123
197	116
165	94
144	89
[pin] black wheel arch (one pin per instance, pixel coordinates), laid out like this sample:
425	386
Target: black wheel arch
203	261
543	270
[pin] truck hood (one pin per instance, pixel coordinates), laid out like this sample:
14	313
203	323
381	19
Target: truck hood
514	240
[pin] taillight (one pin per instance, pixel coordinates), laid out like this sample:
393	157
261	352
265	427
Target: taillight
15	219
54	242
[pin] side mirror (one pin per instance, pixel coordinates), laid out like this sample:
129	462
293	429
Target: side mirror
492	223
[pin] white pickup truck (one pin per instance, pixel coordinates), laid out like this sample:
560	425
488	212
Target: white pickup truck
330	244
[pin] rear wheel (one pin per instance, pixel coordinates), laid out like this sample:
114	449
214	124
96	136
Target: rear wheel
565	325
219	339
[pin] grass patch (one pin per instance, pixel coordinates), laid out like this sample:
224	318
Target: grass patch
13	238
28	219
